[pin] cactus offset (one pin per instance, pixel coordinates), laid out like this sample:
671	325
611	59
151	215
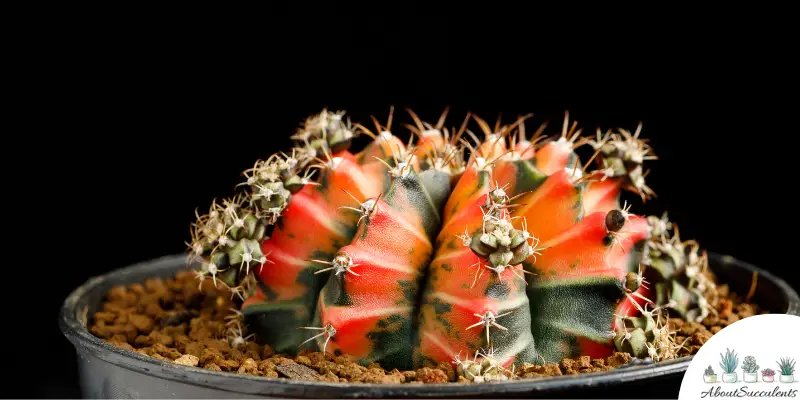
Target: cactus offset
313	227
406	255
677	272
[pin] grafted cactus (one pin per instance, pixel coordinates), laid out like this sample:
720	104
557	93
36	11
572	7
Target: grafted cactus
503	248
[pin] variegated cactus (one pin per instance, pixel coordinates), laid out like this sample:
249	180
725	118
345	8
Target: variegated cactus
408	254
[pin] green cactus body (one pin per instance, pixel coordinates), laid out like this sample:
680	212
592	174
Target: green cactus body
676	271
371	298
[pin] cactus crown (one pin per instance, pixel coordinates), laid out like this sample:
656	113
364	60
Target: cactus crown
621	155
327	131
709	371
768	372
729	361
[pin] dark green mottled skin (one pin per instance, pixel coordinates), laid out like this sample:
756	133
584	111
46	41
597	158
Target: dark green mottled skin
563	310
518	323
528	177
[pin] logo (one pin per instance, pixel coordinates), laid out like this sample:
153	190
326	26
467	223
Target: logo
755	357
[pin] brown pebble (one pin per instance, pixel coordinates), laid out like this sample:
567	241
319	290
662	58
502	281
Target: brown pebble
130	299
229	365
618	359
194	348
130	331
330	377
431	375
102	331
584	362
236	354
266	365
117	292
551	370
448	369
154	310
188	360
303	360
248	366
380	378
158	337
155	285
689	328
342	360
138	288
108	317
213	367
165	351
171	318
210	356
566	365
142	322
175	331
700	338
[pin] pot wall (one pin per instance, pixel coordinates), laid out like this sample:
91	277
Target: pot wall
103	380
750	377
107	371
730	378
787	378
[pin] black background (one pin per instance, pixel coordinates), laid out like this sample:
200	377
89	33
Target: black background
145	123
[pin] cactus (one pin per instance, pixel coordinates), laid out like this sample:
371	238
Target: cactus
677	272
709	371
503	247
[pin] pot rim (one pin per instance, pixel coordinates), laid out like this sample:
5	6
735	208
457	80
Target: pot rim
77	332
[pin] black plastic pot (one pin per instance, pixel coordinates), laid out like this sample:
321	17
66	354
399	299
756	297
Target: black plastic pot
110	372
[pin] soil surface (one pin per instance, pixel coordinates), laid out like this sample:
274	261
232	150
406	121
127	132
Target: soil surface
174	320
